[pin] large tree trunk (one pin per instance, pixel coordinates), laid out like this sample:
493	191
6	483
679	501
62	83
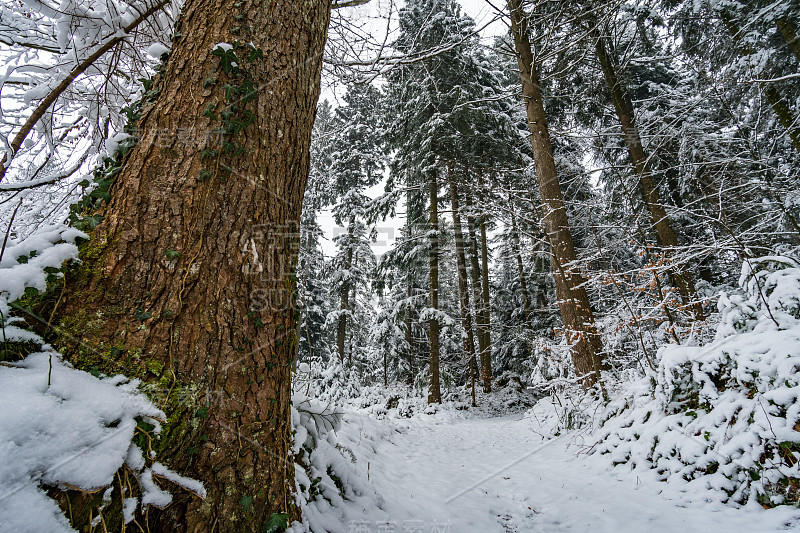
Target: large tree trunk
477	295
679	277
216	323
468	338
573	301
434	389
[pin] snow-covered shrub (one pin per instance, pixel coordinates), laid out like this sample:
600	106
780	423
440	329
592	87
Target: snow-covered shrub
27	265
725	416
61	427
329	382
327	473
565	406
551	362
68	429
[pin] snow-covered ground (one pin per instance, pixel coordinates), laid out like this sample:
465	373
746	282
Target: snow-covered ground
439	474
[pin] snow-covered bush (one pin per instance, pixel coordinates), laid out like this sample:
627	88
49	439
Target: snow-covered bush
61	427
26	266
68	429
327	473
725	416
330	382
565	406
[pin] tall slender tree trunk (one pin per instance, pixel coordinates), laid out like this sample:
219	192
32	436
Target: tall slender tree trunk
468	338
303	296
411	220
576	313
538	260
434	388
409	333
477	295
666	235
486	355
517	249
344	303
216	323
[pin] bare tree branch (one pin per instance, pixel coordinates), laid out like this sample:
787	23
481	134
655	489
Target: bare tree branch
45	104
349	3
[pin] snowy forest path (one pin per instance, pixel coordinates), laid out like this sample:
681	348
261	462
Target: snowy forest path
455	477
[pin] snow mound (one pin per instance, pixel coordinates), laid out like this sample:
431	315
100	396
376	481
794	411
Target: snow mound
332	486
61	427
28	263
156	50
724	419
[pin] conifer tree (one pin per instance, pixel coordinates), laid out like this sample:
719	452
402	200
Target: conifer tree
424	96
356	164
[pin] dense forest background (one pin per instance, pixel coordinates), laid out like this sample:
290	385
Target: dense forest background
674	137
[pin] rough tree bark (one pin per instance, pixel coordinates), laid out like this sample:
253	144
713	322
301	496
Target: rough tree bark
573	301
191	275
468	338
434	388
667	238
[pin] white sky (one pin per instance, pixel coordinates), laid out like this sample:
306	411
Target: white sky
482	13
